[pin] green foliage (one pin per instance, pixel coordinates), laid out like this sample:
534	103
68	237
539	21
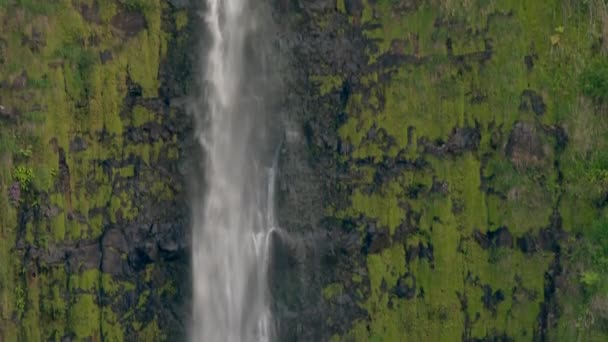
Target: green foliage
24	175
39	83
333	290
38	7
594	80
81	62
19	300
589	278
26	152
136	5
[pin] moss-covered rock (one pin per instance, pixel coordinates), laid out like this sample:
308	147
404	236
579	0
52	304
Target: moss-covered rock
458	162
94	236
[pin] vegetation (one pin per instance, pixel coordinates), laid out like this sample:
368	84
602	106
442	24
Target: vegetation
24	175
67	124
594	80
492	67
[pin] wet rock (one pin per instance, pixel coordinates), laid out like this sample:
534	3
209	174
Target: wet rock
130	23
115	239
84	257
532	100
406	286
180	3
113	263
78	144
525	148
375	239
139	259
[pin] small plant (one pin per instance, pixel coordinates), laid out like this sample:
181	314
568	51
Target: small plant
19	300
594	81
589	278
24	176
26	152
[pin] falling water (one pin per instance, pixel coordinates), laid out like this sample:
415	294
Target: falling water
233	220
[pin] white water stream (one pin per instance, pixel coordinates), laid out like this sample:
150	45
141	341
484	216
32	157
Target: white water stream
232	224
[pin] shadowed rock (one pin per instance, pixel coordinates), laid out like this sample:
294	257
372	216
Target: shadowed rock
532	100
500	237
524	148
406	286
131	23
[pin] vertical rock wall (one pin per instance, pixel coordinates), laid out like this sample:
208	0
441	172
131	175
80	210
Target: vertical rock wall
93	223
442	178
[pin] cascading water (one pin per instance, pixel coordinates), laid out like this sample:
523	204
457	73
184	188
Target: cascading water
233	220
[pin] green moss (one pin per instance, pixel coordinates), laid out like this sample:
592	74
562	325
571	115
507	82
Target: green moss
84	317
146	50
141	116
112	329
327	84
143	299
424	102
181	19
150	332
70	93
340	6
331	291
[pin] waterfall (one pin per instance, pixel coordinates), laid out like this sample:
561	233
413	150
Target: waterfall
234	217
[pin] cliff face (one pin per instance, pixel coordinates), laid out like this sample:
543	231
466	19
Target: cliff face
444	175
93	223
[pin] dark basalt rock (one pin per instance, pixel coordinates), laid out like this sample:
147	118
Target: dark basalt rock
525	148
491	299
20	82
463	139
532	100
130	23
420	251
105	56
91	13
500	237
83	257
406	286
113	263
78	144
7	114
375	239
